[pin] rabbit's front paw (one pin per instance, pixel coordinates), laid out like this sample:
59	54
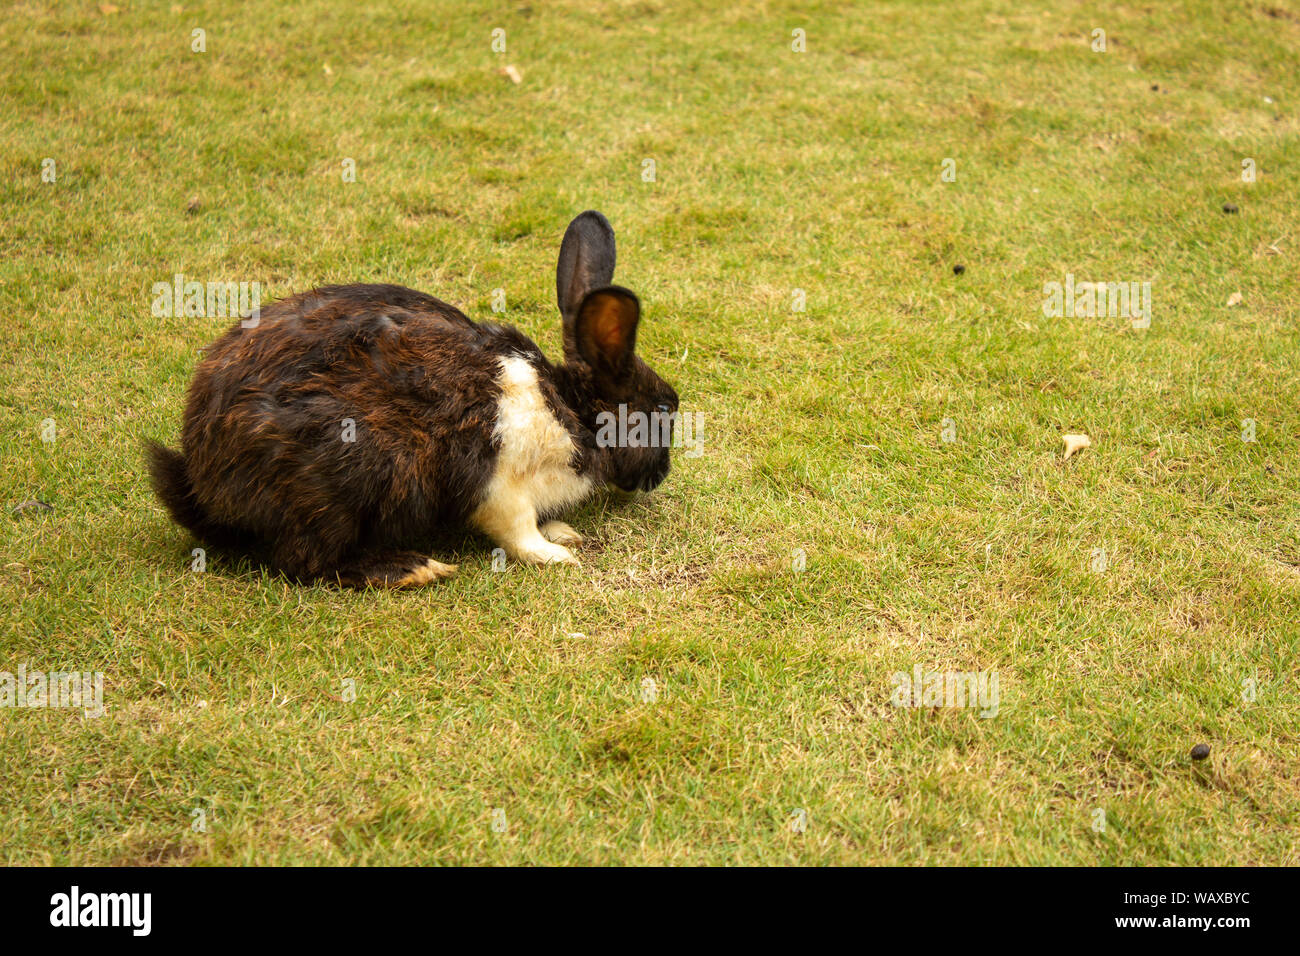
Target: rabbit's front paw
545	552
560	533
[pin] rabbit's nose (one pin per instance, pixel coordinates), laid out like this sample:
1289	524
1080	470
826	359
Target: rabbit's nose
652	481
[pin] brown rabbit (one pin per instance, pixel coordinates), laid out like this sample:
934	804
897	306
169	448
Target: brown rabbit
350	423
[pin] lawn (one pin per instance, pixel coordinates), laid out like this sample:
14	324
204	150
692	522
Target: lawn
882	485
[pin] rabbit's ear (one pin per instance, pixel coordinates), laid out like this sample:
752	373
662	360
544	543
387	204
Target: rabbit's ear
586	263
605	330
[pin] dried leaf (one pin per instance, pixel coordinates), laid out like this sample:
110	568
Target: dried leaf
1234	299
1074	443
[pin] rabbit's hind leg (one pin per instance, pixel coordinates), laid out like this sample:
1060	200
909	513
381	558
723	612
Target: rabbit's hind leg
391	569
328	553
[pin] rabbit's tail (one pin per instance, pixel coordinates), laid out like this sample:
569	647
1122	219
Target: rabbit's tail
171	483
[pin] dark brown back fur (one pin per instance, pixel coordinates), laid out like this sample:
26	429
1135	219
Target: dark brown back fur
264	453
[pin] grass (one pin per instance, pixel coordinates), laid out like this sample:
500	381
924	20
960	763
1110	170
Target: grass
521	691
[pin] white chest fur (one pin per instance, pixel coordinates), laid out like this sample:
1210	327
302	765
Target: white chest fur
532	466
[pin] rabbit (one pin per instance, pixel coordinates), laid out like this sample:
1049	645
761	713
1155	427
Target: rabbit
453	423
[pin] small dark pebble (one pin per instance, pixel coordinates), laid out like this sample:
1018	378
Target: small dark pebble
958	269
1155	86
1229	208
32	506
1200	751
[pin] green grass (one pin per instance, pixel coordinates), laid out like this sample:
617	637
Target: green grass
775	171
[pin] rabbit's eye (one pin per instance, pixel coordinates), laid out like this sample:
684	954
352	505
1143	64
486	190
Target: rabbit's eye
665	409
